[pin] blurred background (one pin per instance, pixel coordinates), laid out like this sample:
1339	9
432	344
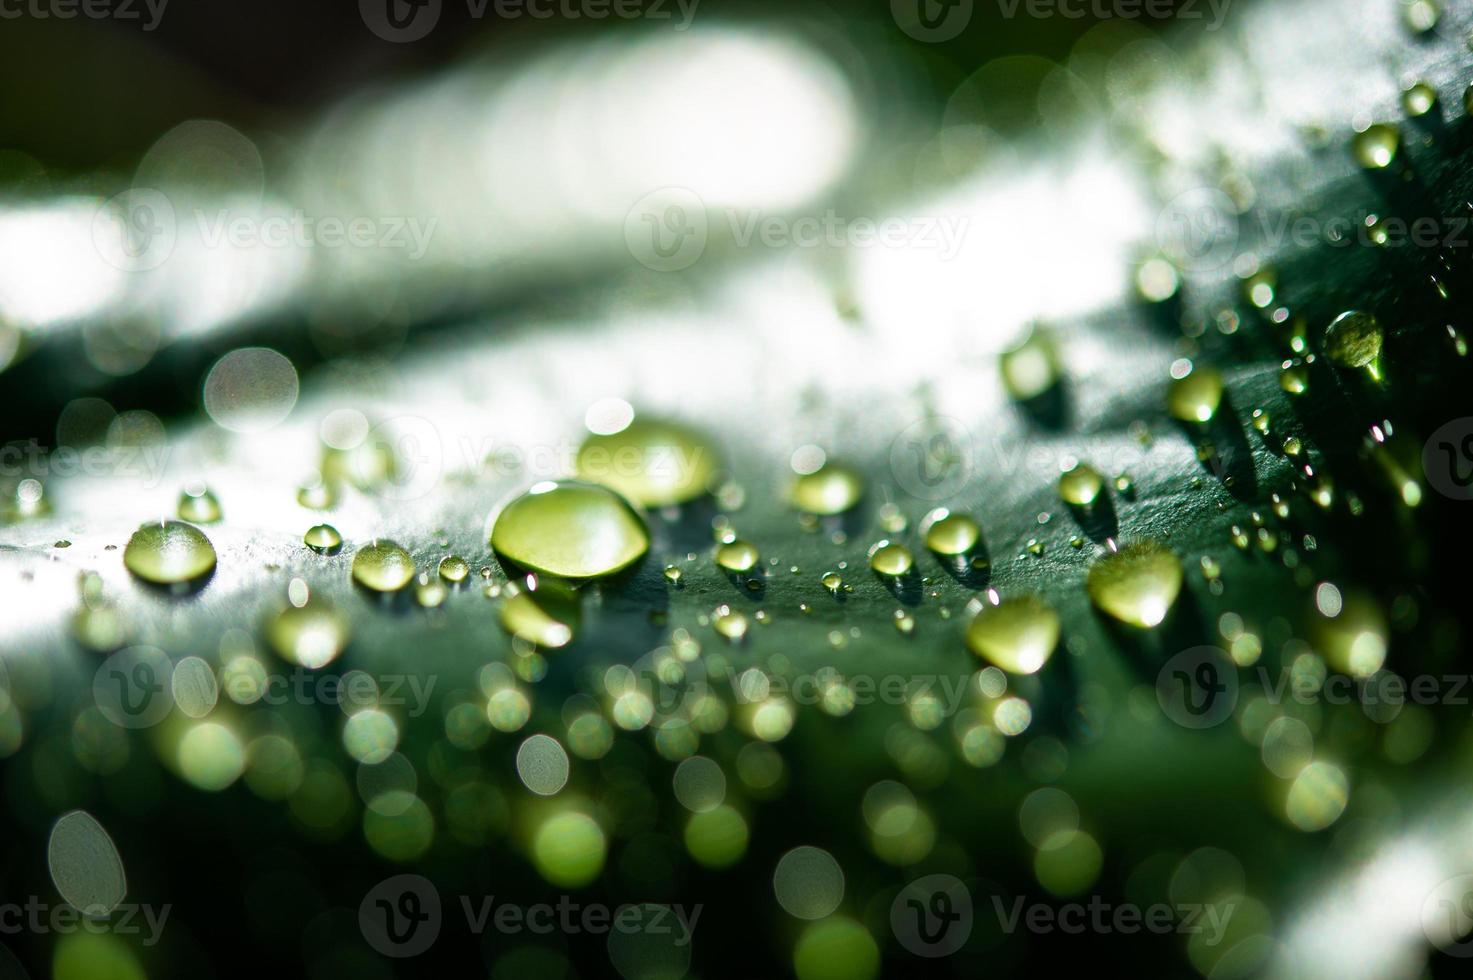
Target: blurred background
316	278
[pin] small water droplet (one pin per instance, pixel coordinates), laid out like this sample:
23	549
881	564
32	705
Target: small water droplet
323	539
1418	99
673	574
1032	368
1080	485
541	611
832	581
1195	396
198	505
311	635
949	533
890	558
454	569
737	556
1353	339
429	591
831	489
1376	146
730	623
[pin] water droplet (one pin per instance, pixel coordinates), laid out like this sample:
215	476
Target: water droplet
1353	339
1137	584
1080	485
1032	368
169	553
1261	421
904	622
429	592
654	463
1421	16
673	574
737	556
1157	280
29	500
541	611
198	505
730	623
891	559
383	566
454	569
1035	547
1294	378
831	489
311	635
571	530
1350	632
317	496
1376	147
1018	635
1418	99
1195	396
323	539
832	581
892	521
948	533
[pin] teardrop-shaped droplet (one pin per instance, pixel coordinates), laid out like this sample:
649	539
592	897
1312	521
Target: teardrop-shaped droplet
541	611
1195	397
383	566
570	530
1353	339
1137	584
950	534
1031	368
1018	634
198	505
831	489
323	539
1080	485
311	635
737	556
651	462
169	553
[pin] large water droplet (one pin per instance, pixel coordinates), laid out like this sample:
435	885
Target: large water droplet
1018	635
1375	148
383	566
653	463
169	553
323	539
1137	584
891	559
571	530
